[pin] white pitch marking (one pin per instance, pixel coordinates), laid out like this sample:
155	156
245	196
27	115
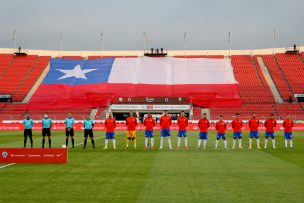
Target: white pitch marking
11	164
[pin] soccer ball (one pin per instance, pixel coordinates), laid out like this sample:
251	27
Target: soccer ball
63	146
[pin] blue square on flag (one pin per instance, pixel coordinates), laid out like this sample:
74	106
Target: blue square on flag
76	72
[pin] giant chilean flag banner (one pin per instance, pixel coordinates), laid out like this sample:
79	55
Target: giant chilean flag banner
94	83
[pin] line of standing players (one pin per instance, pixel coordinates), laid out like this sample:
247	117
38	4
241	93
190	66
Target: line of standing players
165	124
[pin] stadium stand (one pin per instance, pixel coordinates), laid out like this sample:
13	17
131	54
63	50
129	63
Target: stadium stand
253	88
196	113
100	114
302	56
31	78
5	61
278	78
15	75
14	112
293	109
245	111
18	74
293	68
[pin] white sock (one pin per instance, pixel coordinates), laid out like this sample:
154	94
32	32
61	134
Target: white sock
285	143
152	142
169	142
266	143
291	143
199	142
106	143
216	143
205	142
146	141
258	142
233	143
273	143
186	142
250	142
114	143
240	143
225	143
179	140
161	142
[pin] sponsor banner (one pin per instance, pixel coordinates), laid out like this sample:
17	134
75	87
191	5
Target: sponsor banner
122	126
33	155
155	100
149	107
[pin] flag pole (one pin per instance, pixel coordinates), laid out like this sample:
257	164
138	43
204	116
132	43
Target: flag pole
101	43
273	41
14	39
145	42
60	44
185	43
229	42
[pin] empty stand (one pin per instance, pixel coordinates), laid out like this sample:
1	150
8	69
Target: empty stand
262	111
253	87
21	74
293	109
16	73
14	112
5	62
293	68
277	77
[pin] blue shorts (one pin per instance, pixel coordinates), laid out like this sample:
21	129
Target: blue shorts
221	136
149	133
254	134
110	135
182	133
165	132
269	134
203	136
288	135
237	135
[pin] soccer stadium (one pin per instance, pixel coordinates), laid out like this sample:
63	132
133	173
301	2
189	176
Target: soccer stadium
151	125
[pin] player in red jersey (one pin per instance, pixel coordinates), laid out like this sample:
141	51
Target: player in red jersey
254	133
165	123
110	125
221	127
149	123
288	125
131	123
270	124
182	123
203	125
237	125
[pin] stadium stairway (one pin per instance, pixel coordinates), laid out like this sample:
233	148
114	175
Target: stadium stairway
279	80
269	80
37	83
93	113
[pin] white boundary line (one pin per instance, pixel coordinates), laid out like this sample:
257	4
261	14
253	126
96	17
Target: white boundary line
11	164
7	165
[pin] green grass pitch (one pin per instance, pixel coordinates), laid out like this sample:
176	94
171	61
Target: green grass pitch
233	175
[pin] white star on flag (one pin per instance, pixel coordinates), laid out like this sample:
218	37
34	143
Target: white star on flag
77	72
